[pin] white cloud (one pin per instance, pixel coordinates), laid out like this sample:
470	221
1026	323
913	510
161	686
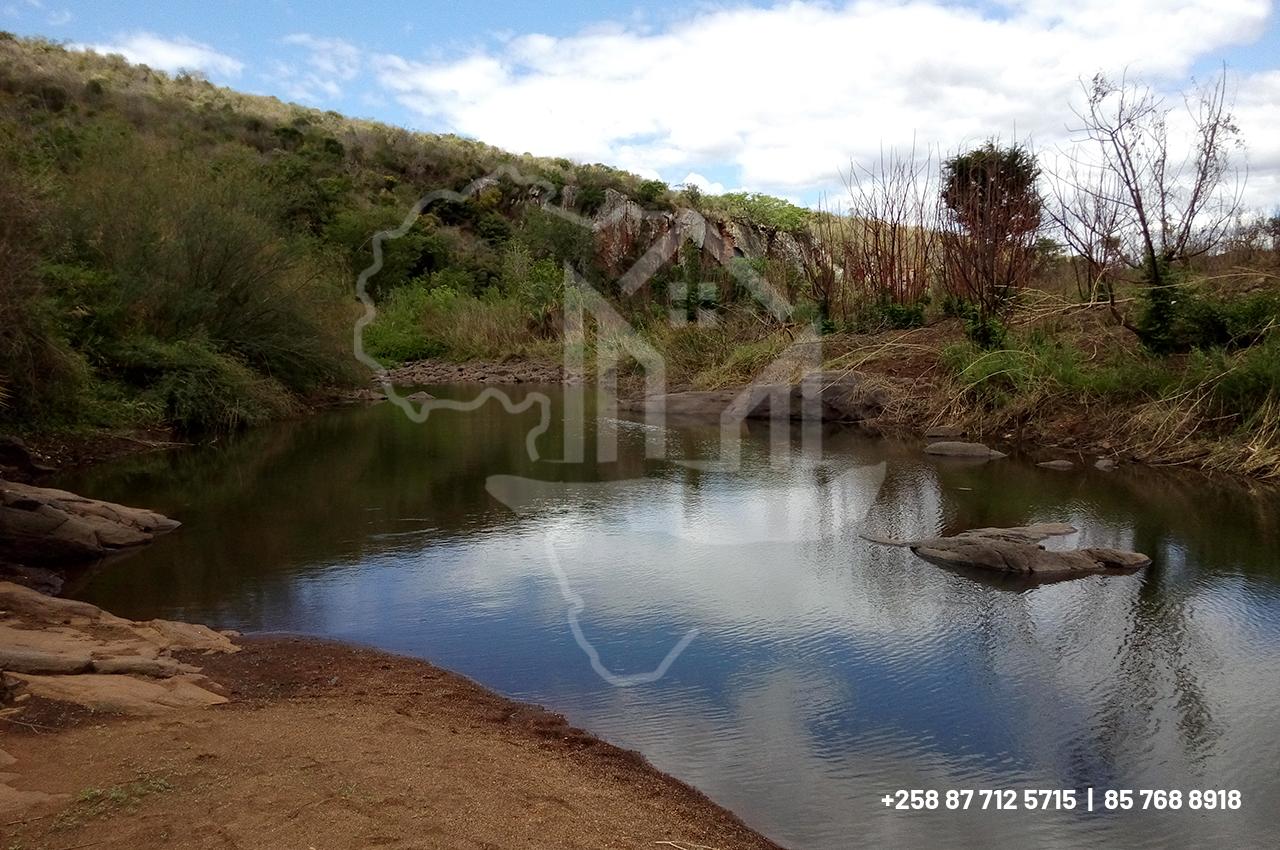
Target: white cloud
60	18
789	94
1257	111
169	54
707	187
328	65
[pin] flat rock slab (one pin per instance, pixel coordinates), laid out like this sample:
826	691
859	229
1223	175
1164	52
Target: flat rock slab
39	525
1026	559
72	651
116	694
954	448
1057	465
1017	551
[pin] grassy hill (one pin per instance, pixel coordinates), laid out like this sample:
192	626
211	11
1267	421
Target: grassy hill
182	254
179	255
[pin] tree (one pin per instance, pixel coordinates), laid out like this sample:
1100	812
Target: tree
892	243
1172	204
989	224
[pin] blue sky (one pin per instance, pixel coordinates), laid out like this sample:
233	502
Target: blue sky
768	97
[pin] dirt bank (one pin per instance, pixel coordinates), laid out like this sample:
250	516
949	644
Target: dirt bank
475	372
325	745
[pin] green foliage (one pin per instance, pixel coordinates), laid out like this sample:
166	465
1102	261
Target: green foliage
1246	382
422	250
198	389
493	228
1178	318
398	333
651	191
878	315
1040	365
550	236
41	375
981	185
985	331
764	210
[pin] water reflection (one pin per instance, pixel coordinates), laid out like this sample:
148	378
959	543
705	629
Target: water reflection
826	671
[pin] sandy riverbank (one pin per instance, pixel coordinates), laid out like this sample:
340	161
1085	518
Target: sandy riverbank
326	745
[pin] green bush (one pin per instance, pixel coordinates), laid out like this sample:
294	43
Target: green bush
199	389
1249	380
1179	318
398	332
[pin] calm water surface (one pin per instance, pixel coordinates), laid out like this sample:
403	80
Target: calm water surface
825	672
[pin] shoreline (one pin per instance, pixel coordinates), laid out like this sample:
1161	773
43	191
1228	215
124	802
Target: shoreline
913	413
334	744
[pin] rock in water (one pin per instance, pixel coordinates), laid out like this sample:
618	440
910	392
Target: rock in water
43	526
951	448
1058	465
1016	551
1026	559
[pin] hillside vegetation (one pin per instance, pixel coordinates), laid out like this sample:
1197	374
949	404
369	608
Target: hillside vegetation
180	255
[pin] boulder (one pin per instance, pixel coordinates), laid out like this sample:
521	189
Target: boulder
1016	551
951	448
1058	465
1026	558
1105	464
39	525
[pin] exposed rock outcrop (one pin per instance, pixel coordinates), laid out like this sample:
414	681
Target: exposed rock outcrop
41	526
1017	551
75	652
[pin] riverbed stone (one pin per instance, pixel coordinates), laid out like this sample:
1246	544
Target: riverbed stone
1017	551
954	448
39	525
1057	465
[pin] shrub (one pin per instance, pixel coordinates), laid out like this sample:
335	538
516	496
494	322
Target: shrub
398	332
1249	381
40	375
1179	319
199	389
650	191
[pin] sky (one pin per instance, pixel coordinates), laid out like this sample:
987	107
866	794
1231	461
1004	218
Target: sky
778	98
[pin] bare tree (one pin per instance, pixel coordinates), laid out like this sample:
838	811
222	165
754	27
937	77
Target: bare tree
823	251
1173	205
892	243
1085	209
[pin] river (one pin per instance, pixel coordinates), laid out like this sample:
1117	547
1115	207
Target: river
810	672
